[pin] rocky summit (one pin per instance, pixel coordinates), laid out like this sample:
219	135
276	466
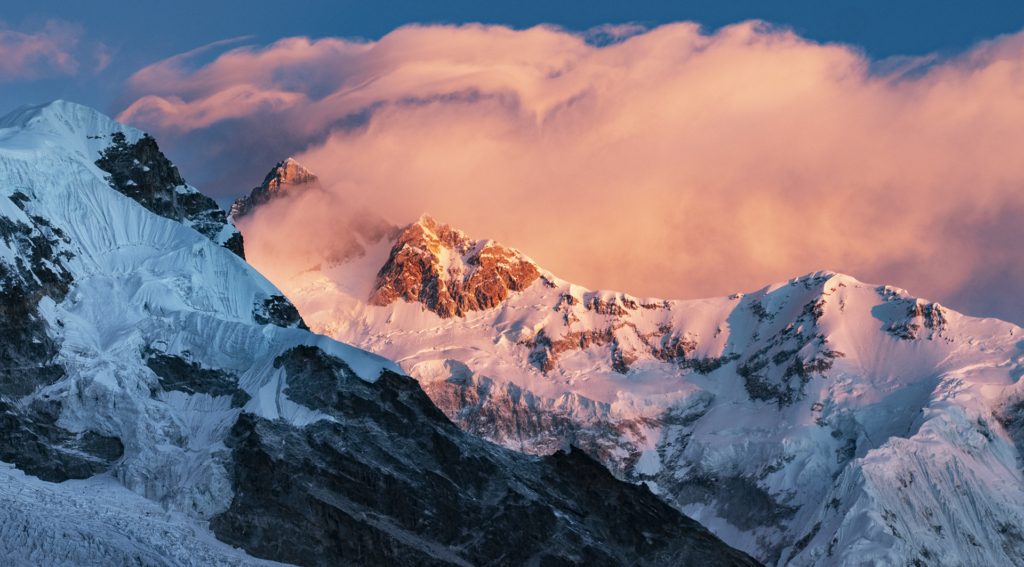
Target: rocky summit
140	171
286	177
448	273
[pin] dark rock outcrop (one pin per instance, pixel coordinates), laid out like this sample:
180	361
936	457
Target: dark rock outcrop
277	310
26	348
778	372
31	439
142	172
176	373
482	278
389	480
29	435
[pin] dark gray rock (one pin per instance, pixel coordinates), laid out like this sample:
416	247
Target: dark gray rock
29	435
142	172
277	310
176	373
26	348
32	441
391	481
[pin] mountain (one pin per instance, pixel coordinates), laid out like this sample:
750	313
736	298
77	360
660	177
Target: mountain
161	403
342	237
819	421
286	177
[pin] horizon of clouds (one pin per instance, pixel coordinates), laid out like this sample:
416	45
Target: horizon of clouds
668	163
55	50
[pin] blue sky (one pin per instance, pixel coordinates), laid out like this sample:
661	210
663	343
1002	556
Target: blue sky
140	33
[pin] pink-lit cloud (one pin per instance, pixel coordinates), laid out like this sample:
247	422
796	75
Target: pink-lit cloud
55	50
670	163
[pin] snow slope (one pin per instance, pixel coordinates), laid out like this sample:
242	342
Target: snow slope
99	522
819	421
158	396
139	282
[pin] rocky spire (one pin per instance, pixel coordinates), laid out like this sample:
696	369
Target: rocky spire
282	180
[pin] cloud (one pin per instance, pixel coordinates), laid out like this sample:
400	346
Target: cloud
667	163
51	52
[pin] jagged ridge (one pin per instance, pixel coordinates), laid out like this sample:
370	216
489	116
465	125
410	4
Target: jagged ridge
391	481
285	177
783	419
142	172
448	273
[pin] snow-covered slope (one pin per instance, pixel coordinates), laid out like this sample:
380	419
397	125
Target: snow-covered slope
157	394
820	421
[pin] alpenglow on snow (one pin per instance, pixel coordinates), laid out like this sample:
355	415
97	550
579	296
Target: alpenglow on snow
819	421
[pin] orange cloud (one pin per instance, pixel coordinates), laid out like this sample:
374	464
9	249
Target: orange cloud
671	163
49	52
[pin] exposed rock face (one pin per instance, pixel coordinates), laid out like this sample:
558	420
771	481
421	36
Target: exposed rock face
26	348
448	273
523	421
29	435
921	319
780	370
391	481
178	374
31	439
277	310
142	172
286	177
627	342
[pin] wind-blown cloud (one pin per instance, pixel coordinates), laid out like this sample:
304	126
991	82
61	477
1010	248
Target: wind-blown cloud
53	51
668	163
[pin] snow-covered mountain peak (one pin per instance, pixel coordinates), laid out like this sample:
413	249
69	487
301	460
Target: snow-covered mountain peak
448	273
130	158
80	129
287	177
102	273
68	120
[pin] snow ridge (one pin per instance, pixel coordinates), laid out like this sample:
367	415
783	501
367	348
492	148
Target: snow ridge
819	421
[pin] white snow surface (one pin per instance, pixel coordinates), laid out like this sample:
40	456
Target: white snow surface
100	522
140	281
897	454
